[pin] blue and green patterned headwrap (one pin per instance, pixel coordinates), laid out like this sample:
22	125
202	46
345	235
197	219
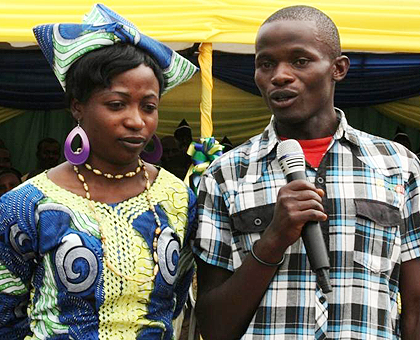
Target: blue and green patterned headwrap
63	44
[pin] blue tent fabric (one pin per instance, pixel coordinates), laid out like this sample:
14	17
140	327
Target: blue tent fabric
372	78
27	82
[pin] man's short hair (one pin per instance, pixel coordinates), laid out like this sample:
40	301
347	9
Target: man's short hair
323	22
47	140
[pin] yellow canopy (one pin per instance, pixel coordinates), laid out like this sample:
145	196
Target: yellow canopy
382	26
364	25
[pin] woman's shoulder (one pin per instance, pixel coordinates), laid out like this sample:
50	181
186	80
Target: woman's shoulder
168	185
20	201
165	178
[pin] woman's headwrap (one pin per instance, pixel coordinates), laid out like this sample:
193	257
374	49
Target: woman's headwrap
63	44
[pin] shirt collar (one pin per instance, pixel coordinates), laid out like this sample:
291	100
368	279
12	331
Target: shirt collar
269	139
344	130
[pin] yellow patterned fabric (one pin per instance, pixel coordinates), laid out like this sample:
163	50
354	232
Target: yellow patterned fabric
78	294
364	25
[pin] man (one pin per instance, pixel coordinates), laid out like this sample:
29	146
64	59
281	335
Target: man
48	154
363	190
9	179
172	157
183	135
5	159
403	139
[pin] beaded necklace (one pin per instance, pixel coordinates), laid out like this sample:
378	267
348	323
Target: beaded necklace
141	167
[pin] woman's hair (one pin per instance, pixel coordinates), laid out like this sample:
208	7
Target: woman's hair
96	69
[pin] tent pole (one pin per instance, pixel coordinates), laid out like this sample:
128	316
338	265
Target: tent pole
205	59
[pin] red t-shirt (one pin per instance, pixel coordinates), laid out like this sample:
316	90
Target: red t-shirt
314	149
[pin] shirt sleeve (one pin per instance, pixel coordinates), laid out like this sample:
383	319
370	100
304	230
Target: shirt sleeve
410	232
17	255
213	238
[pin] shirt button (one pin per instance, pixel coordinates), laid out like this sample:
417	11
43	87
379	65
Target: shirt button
257	221
320	180
322	299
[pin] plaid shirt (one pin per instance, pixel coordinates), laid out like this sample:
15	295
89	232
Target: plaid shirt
372	200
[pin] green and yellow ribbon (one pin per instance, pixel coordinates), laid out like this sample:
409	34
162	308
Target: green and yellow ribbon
202	155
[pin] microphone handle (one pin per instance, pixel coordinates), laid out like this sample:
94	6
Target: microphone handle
314	244
317	254
323	279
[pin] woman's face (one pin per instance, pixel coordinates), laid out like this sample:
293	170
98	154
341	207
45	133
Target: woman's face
121	119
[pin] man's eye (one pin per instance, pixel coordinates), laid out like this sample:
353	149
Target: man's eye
266	65
301	62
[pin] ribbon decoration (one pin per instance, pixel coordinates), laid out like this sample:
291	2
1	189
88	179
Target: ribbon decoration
202	154
205	152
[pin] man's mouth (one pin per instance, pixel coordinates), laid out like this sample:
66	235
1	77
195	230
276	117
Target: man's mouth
282	96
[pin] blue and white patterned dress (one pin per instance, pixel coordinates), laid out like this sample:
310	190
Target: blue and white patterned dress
53	281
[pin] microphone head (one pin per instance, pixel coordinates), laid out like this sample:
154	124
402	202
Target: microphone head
291	158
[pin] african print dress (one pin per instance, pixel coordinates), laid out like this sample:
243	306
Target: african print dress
53	280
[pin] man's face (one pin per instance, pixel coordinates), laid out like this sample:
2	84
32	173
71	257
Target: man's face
49	155
8	181
171	151
5	161
294	71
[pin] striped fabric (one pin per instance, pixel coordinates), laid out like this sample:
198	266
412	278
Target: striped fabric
372	200
63	44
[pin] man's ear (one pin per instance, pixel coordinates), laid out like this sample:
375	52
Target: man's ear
341	66
76	109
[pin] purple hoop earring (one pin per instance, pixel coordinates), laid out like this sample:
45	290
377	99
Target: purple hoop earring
155	155
80	156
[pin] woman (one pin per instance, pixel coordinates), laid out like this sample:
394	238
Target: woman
97	247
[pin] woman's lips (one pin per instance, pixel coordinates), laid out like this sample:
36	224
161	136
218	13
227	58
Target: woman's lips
132	142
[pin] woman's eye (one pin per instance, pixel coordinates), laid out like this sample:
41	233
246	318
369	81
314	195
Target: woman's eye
150	107
115	105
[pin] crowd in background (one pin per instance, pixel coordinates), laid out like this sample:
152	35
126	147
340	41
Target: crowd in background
174	155
48	154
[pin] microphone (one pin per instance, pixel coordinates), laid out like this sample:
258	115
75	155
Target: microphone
292	163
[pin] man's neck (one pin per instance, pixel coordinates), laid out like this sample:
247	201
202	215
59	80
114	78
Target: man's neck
317	127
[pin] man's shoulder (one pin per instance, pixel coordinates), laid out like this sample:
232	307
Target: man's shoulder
380	144
238	155
381	153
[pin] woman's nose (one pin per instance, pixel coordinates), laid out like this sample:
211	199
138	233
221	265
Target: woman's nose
135	120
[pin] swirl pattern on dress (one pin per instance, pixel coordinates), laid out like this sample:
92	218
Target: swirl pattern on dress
21	242
168	254
77	266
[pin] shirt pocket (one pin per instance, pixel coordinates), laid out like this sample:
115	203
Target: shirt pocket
376	230
253	220
247	227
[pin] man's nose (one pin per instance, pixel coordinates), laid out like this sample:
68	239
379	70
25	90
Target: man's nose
282	74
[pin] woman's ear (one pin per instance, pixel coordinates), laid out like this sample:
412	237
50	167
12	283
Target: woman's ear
76	109
341	66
